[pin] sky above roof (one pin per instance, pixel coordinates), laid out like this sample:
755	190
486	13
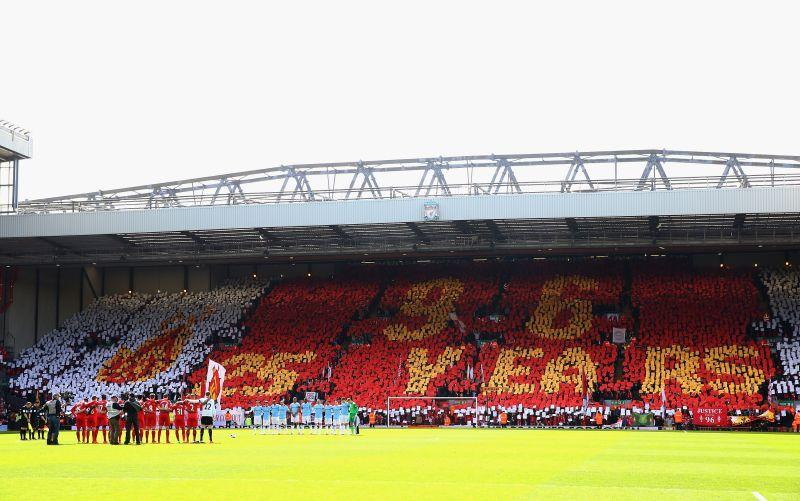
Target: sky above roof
126	94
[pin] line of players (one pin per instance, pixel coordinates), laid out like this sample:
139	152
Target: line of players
91	417
316	416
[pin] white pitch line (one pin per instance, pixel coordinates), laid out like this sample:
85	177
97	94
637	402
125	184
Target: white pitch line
759	496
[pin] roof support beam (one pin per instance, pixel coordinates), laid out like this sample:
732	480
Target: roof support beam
733	167
234	188
495	231
655	168
653	225
54	244
368	183
58	249
194	237
120	239
485	174
437	181
504	176
738	221
414	227
464	227
162	197
574	168
302	188
572	224
266	235
340	232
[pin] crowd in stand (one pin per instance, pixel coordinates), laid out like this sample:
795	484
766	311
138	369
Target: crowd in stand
536	343
782	328
134	343
291	339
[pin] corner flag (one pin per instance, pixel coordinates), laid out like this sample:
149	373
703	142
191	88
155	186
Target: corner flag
215	379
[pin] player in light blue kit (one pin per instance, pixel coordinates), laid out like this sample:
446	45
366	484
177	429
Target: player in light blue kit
344	411
275	422
305	408
263	417
294	410
332	417
319	412
282	416
258	417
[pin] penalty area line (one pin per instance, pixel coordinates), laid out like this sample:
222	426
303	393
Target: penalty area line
758	496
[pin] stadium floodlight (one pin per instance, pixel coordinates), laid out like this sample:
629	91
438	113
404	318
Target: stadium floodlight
15	145
432	411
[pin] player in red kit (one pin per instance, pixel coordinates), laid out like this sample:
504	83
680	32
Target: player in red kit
79	413
164	407
149	408
180	421
140	418
192	418
102	417
91	420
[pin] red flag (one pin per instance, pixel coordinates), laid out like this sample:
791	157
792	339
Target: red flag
215	379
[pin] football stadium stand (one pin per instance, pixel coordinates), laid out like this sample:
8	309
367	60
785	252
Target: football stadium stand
782	328
523	336
134	342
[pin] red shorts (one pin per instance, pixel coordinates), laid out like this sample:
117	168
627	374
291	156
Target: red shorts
102	420
149	420
192	421
179	423
80	421
91	421
163	419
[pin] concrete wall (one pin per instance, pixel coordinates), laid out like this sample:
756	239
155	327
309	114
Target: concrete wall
18	321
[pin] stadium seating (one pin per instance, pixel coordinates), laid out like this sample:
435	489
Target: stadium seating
134	342
783	288
291	339
529	338
555	335
419	343
692	339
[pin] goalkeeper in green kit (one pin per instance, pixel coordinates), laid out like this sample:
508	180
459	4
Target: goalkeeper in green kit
352	412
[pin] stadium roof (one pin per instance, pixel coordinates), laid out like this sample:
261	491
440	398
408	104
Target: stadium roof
676	219
742	201
622	170
15	142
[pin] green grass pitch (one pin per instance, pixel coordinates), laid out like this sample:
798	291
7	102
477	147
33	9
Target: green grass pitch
414	464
